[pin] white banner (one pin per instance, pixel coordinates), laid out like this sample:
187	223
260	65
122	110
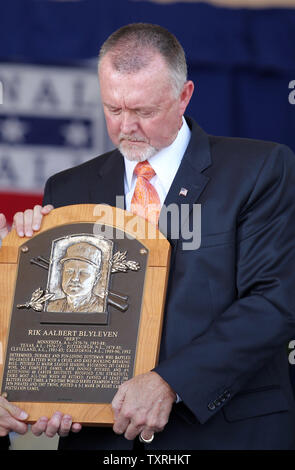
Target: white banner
51	119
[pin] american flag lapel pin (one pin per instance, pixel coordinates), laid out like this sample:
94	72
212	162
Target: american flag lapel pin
183	192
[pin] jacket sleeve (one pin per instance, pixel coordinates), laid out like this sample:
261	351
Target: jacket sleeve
248	334
47	197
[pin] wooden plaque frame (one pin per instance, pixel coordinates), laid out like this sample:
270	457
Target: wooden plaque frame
151	317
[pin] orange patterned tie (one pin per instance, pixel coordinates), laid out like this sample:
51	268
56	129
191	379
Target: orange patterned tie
145	200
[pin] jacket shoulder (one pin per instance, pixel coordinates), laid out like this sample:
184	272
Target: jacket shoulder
72	186
239	145
88	167
248	156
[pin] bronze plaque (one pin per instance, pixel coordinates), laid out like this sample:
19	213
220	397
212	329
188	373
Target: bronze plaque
85	313
75	316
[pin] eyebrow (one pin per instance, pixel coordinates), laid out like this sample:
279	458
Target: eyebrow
137	108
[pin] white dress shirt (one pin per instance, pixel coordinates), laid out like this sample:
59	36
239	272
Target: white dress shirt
165	163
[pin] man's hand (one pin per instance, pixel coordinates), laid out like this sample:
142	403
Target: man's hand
11	418
3	227
142	405
29	221
58	424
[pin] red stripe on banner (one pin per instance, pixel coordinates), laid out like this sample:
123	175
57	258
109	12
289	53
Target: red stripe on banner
10	203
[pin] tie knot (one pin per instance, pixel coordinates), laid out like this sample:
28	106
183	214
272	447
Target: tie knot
145	170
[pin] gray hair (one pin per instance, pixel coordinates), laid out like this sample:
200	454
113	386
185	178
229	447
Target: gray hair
131	48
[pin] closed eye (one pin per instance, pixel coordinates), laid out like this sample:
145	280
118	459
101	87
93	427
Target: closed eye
145	113
115	111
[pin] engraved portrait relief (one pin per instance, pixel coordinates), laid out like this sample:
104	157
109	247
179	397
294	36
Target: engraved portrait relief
79	270
79	274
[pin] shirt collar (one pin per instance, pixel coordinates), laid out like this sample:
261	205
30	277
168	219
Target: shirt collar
165	162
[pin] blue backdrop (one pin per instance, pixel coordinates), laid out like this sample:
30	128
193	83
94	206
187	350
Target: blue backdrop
241	61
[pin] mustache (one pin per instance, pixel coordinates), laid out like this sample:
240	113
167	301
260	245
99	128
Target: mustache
134	138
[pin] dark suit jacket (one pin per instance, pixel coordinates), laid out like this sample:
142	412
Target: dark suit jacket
230	309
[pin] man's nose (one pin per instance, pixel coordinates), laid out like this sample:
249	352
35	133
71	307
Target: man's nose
129	122
76	275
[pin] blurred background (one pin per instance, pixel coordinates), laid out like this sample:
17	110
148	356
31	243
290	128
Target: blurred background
240	54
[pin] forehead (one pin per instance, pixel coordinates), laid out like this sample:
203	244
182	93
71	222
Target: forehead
153	82
76	263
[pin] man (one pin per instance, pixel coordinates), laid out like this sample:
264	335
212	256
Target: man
222	381
80	273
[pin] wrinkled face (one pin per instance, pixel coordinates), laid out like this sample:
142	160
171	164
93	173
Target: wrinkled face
143	114
78	278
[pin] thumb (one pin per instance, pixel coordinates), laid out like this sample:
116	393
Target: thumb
46	209
13	410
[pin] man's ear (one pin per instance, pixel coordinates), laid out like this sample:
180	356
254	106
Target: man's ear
185	95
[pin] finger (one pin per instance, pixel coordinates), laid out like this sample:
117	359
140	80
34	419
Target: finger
13	425
3	226
121	425
8	423
132	431
40	426
37	218
121	420
4	431
147	433
65	425
54	424
13	410
11	418
18	223
28	222
46	209
118	401
137	425
76	427
38	213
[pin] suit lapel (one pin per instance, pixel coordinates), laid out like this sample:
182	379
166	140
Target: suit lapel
189	177
109	183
